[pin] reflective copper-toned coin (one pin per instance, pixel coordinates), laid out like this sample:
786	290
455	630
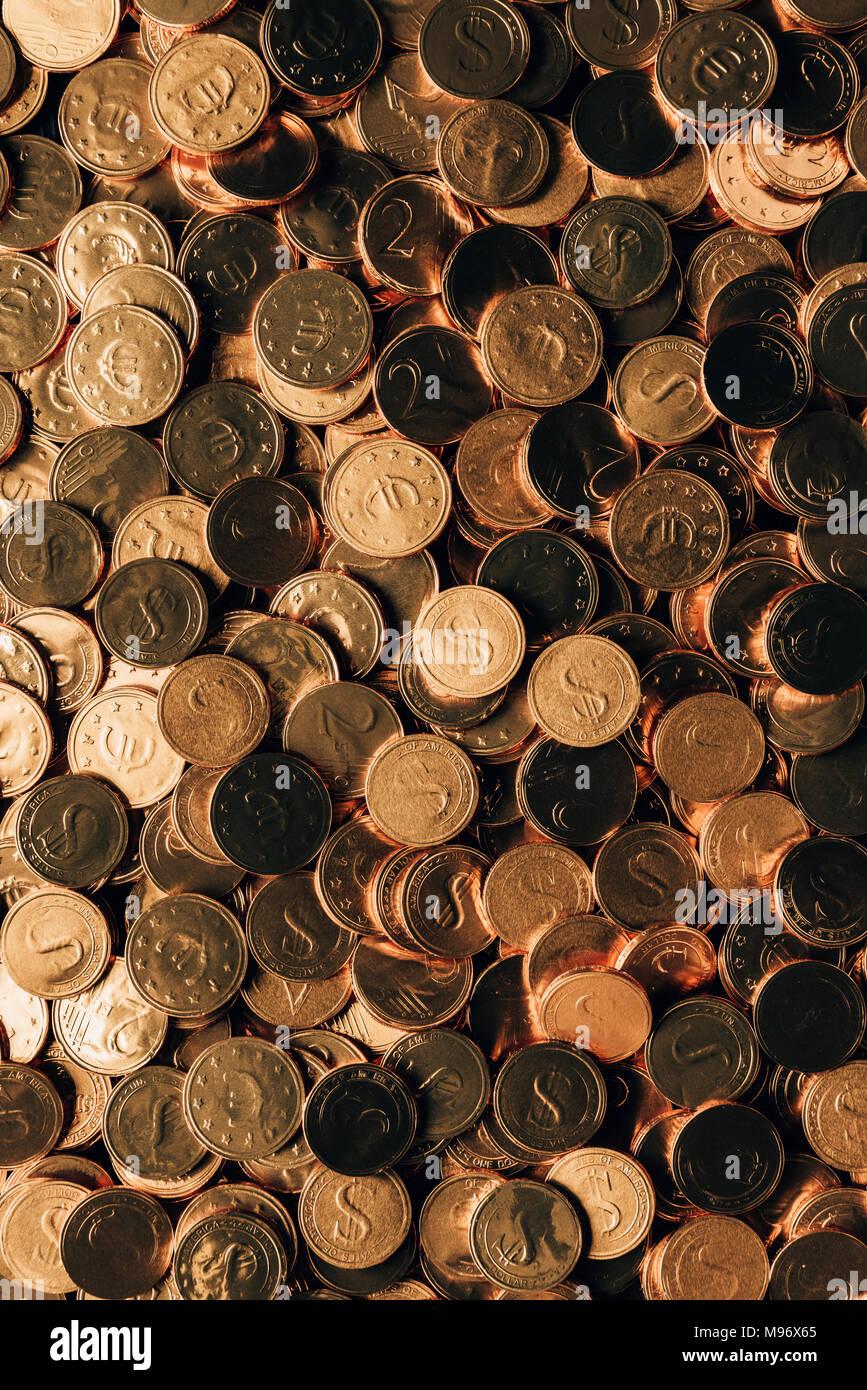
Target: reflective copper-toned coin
230	1256
584	691
227	263
597	1179
833	1115
620	125
55	943
354	1224
346	871
52	557
33	1115
449	1076
442	784
116	736
616	251
601	1010
578	433
220	434
541	345
530	887
441	902
323	219
206	694
46	191
549	1097
313	328
711	1258
108	1028
292	660
657	391
151	612
430	385
243	1097
474	52
116	1243
108	472
71	831
708	746
492	153
209	93
171	866
339	728
291	935
344	1114
273	514
406	990
386	497
186	955
642	873
669	530
164	1151
743	839
524	1235
341	610
702	1049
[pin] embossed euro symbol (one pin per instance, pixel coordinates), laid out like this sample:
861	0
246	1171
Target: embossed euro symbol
125	751
352	1227
109	116
297	940
235	276
669	526
222	437
267	812
47	944
214	694
77	831
545	1110
587	703
547	903
807	643
712	66
313	332
118	365
660	385
612	257
211	96
824	67
186	954
549	346
388	493
620	129
522	1250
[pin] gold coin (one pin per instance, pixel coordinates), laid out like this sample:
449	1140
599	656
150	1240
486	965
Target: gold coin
30	1233
172	867
584	691
46	191
124	365
55	412
55	943
35	312
532	886
542	345
708	746
323	406
243	1098
387	497
29	97
340	610
407	229
72	651
338	728
186	955
603	1010
291	659
27	740
833	1116
601	1179
60	40
108	1028
313	328
293	1003
116	737
657	391
421	790
470	641
99	238
169	528
493	153
354	1223
743	839
213	710
106	123
209	93
563	184
152	288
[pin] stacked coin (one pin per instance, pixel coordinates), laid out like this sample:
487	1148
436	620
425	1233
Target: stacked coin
433	624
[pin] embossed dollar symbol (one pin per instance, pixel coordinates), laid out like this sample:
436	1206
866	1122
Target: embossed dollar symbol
858	327
827	902
297	940
352	1226
457	887
545	1104
623	28
147	622
686	1055
586	703
644	875
42	945
724	1281
602	1192
471	32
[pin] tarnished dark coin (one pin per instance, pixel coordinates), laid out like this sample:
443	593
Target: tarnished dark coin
620	125
360	1119
291	934
616	252
107	473
71	830
821	888
549	578
576	797
151	613
448	1075
116	1243
702	1049
322	51
727	1158
758	375
261	531
830	787
271	813
221	433
809	1016
49	555
579	455
549	1097
816	638
487	264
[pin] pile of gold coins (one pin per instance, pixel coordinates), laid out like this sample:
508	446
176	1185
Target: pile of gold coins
433	623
